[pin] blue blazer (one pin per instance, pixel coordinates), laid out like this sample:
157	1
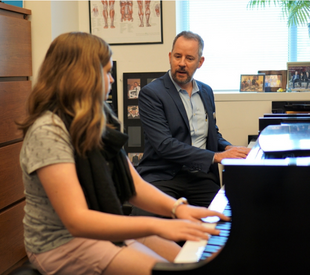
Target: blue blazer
167	132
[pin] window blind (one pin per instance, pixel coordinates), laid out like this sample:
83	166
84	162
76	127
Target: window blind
239	40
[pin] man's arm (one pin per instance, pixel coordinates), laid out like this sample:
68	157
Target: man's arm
224	148
232	152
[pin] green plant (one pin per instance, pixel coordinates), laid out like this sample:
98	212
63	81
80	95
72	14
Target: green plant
297	12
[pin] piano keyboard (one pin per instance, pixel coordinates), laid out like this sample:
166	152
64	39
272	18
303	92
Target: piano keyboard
216	242
195	251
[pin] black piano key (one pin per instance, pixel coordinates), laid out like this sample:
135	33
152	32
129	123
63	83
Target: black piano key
224	234
223	226
217	241
227	213
211	248
221	239
205	255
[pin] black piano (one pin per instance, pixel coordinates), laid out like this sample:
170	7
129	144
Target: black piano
269	196
285	112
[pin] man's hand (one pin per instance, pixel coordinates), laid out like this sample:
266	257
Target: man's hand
232	152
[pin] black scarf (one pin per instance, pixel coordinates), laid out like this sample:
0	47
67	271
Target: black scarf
104	174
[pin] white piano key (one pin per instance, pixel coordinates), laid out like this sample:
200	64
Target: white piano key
191	251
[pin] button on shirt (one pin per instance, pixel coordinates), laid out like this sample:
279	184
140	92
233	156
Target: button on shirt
196	114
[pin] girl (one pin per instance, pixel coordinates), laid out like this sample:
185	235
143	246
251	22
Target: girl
76	175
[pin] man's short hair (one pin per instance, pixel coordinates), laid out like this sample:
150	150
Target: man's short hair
191	35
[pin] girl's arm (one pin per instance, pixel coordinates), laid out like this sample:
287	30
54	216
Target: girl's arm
153	200
61	184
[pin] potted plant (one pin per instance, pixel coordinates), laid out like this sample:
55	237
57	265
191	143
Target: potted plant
297	12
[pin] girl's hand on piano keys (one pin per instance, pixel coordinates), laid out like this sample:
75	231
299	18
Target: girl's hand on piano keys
183	230
195	213
188	225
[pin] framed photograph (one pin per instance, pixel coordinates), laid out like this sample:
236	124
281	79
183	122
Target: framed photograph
298	76
134	137
132	83
252	83
127	22
133	87
133	112
274	80
135	158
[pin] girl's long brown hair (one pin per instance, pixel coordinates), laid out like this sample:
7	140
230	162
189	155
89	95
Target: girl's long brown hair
70	82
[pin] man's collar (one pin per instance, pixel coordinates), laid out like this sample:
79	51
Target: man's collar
195	86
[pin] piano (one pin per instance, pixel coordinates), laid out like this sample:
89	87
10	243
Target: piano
278	119
268	194
286	112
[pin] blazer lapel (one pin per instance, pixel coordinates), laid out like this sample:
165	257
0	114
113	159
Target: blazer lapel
212	139
208	106
172	91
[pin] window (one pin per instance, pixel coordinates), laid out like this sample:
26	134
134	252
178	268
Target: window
239	40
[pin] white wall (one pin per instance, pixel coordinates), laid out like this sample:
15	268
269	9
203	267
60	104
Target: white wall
51	18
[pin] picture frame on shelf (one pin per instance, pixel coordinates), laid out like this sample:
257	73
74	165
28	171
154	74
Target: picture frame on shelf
298	76
275	80
252	83
127	22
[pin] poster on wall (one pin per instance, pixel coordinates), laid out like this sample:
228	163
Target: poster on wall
127	22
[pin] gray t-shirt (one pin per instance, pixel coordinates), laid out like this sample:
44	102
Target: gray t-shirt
47	142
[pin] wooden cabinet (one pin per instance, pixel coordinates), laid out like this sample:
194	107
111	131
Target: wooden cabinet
15	87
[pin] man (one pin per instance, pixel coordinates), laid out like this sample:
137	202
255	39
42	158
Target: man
136	87
307	78
295	79
182	143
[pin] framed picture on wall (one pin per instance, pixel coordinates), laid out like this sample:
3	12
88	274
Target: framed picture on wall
135	158
127	22
133	83
133	112
133	87
275	80
252	83
298	76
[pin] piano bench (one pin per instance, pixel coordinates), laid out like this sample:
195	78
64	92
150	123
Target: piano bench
26	269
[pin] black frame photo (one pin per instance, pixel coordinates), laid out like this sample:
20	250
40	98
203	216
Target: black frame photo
275	80
127	22
133	112
135	158
133	88
252	83
302	69
133	82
